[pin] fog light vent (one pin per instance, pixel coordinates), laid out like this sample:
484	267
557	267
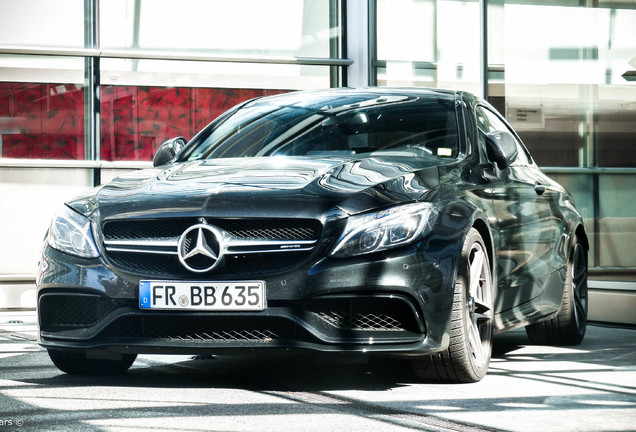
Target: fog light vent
367	313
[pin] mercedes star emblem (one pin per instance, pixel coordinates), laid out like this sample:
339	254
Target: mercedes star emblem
200	248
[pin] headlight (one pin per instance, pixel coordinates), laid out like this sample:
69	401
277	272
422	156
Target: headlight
71	233
387	229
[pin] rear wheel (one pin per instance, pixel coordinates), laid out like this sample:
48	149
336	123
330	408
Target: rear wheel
568	327
78	363
468	355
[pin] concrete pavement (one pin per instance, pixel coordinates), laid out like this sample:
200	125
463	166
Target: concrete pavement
590	387
529	388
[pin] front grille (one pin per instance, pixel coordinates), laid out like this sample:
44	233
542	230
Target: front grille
256	247
208	329
66	311
169	265
367	313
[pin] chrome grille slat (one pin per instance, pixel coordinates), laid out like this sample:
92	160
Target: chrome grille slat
143	246
233	246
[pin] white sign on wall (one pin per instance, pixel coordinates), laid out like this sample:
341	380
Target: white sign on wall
526	118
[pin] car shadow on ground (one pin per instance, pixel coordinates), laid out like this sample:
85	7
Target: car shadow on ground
299	372
287	373
532	380
310	372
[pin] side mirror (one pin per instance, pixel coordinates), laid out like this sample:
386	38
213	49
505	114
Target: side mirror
168	151
502	148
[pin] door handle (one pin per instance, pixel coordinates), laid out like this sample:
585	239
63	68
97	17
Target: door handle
539	189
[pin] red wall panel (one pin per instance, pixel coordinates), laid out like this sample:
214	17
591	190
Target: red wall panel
137	120
42	121
46	121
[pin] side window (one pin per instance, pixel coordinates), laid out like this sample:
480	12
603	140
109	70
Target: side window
488	121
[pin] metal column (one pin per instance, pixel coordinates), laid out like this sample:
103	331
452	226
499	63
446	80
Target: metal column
92	123
483	48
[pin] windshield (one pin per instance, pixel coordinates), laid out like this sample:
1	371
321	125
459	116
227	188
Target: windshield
337	126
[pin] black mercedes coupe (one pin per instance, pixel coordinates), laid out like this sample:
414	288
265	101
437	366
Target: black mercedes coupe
395	222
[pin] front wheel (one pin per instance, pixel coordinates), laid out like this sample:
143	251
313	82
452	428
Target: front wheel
468	355
78	363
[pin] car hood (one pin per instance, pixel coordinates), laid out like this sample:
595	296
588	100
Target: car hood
267	187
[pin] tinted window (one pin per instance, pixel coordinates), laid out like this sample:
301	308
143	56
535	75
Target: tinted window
286	125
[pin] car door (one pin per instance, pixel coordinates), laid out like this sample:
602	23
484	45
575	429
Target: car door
527	231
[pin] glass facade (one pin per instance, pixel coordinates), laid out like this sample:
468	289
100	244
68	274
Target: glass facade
85	83
31	23
293	28
144	86
428	43
556	72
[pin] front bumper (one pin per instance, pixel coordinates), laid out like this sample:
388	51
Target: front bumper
398	303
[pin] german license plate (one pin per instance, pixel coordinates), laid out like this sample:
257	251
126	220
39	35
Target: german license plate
212	296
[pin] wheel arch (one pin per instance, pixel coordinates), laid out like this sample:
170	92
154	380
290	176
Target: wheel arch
484	230
582	236
578	234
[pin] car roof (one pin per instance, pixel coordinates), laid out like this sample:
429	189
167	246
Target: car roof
317	99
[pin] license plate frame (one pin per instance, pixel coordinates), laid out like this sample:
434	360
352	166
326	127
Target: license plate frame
216	296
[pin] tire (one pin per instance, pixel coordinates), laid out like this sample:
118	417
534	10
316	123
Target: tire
568	327
77	363
468	355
